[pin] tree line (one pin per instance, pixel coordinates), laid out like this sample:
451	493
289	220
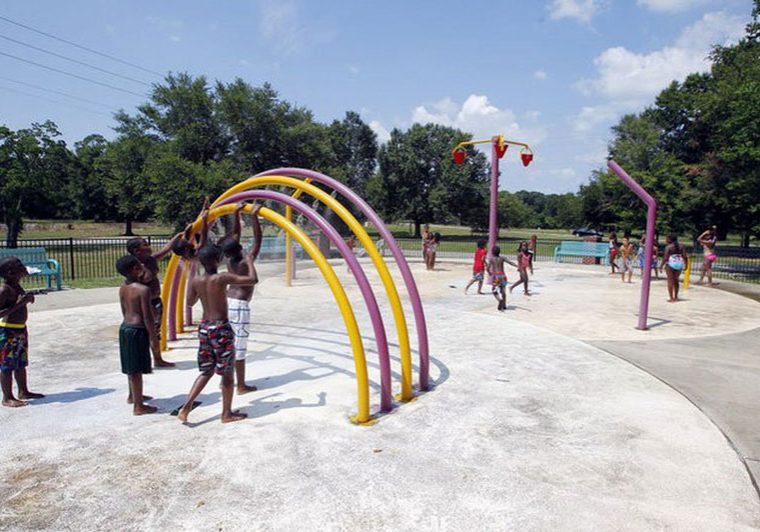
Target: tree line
695	149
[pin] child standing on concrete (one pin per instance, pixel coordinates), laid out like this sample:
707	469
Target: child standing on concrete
137	332
523	265
239	296
14	340
216	351
626	259
478	267
498	277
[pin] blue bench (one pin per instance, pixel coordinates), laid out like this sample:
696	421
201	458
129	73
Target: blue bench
574	248
37	259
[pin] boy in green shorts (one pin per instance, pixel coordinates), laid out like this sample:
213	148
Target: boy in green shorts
137	331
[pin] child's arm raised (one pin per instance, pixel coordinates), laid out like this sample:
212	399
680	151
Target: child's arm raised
257	234
236	224
161	253
204	223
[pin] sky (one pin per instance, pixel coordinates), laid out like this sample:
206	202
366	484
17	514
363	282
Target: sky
556	74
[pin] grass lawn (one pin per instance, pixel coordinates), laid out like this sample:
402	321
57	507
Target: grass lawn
85	229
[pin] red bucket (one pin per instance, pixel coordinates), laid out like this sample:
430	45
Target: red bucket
526	158
459	156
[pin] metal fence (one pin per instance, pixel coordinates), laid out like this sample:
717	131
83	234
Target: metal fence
95	258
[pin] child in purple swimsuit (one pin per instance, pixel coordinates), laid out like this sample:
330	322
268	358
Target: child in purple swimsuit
498	277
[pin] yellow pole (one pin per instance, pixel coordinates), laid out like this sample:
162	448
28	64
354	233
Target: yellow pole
687	273
369	246
171	270
179	315
360	362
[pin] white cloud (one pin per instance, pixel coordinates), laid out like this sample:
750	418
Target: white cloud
669	6
279	25
479	117
627	81
581	10
354	70
383	135
540	75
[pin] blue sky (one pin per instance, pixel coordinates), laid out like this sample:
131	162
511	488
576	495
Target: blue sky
556	74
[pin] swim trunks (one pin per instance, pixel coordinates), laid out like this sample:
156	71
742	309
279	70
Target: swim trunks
477	276
240	318
499	280
216	350
158	312
134	349
14	347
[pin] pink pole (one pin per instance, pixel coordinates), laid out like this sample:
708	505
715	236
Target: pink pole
398	255
493	219
651	218
189	308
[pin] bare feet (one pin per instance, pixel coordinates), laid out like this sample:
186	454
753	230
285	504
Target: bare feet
233	416
145	398
161	363
182	414
14	403
30	395
482	294
245	388
528	294
144	409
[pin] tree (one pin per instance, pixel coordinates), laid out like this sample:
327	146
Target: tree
354	148
89	199
35	168
126	183
418	180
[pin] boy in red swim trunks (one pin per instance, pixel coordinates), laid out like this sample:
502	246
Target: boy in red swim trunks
14	341
216	352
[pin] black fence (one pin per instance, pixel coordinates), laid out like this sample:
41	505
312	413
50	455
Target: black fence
94	258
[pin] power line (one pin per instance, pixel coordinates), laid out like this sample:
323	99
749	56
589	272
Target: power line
81	47
114	87
55	101
60	93
75	61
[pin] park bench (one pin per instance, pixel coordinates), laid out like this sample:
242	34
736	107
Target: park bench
37	263
574	248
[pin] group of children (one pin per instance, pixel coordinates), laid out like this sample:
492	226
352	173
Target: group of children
223	330
674	258
494	266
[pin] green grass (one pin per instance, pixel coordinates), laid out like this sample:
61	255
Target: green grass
85	229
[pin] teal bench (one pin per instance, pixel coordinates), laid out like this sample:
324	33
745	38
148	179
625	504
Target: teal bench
36	258
574	248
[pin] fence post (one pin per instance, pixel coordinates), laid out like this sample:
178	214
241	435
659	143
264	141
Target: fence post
71	257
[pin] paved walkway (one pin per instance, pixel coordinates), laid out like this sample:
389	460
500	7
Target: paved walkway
527	428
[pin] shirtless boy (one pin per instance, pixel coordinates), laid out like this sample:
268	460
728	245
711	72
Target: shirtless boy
627	253
216	351
137	332
14	340
498	277
239	296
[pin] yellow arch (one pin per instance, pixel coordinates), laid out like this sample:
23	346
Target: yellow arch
180	310
360	362
369	245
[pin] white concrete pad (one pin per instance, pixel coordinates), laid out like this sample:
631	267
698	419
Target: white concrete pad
526	429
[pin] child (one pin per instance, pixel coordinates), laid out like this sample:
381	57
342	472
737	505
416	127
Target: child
498	277
14	340
654	251
137	332
707	240
626	256
532	249
239	296
478	267
432	249
216	349
613	251
183	244
673	261
523	264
